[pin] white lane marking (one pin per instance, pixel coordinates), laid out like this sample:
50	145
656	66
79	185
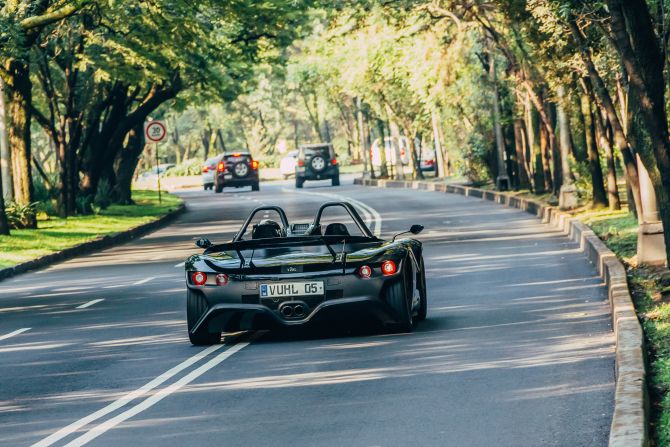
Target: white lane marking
376	217
90	303
181	264
115	286
159	395
143	281
122	401
16	332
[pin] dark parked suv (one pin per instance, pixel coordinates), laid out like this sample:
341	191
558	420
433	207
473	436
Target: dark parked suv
236	169
317	162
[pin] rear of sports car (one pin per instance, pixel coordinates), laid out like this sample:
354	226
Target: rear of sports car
314	289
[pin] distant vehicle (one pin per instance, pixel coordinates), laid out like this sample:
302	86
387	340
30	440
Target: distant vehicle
428	163
317	162
208	171
236	169
390	145
153	172
287	164
275	274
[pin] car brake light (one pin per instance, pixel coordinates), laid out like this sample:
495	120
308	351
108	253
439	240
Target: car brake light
205	169
430	162
365	272
301	163
333	161
254	164
199	278
388	267
236	154
221	166
221	279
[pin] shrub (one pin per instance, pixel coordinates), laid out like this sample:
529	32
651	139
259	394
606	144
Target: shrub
18	215
187	167
103	196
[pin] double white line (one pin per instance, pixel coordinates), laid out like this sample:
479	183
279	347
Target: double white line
149	401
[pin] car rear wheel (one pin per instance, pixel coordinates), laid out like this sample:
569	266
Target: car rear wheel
255	187
299	182
397	298
336	181
423	293
196	306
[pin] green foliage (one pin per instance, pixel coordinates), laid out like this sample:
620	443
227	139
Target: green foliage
187	167
19	215
103	196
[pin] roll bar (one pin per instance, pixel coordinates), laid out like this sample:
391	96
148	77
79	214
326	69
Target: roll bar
352	212
279	210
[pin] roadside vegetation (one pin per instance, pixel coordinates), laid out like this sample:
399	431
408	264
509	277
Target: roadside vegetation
55	233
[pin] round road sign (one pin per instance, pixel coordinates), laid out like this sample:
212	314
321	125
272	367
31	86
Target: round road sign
155	131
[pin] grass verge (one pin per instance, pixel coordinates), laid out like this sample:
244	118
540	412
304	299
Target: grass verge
55	234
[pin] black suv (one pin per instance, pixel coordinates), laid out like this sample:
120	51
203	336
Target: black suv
236	169
317	162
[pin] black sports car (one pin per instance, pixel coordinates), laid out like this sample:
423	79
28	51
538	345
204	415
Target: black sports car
297	274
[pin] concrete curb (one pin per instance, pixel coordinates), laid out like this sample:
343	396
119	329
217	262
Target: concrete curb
97	244
630	420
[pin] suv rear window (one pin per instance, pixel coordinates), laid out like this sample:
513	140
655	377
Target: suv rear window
325	151
234	158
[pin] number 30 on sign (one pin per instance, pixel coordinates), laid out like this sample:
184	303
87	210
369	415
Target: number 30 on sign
155	131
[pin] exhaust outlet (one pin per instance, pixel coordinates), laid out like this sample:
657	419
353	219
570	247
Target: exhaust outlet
299	310
286	311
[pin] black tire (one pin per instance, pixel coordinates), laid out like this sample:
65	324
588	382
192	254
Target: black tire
423	293
255	187
299	182
218	188
397	298
336	181
195	307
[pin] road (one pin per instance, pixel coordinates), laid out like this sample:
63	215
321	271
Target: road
517	349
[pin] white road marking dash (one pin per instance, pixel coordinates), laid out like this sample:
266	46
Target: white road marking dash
90	303
16	332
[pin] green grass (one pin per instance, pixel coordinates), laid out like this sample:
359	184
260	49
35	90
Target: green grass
54	234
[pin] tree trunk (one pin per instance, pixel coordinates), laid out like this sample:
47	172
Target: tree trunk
128	159
383	168
565	137
395	137
520	148
20	98
605	100
5	158
545	154
441	168
597	184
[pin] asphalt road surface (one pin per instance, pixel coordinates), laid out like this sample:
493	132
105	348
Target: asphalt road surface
517	349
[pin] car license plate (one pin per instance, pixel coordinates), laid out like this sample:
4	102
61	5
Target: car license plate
228	176
277	290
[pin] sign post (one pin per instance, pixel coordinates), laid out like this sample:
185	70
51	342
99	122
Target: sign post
155	132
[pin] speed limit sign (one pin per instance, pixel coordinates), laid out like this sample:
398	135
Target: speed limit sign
155	131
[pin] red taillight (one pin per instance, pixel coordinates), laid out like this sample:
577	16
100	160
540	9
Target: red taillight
205	169
254	164
221	279
199	278
301	163
221	166
430	162
388	267
333	161
364	272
